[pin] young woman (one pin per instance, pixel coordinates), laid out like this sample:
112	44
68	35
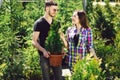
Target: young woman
79	38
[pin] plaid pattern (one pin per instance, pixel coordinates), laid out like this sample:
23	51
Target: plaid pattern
84	44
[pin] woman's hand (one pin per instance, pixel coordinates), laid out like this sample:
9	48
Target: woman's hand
92	53
62	36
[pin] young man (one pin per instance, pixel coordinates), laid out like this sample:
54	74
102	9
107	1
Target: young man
41	29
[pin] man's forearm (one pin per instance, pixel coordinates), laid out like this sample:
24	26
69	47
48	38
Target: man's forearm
37	45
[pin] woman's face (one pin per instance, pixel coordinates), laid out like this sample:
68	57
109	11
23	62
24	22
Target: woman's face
75	19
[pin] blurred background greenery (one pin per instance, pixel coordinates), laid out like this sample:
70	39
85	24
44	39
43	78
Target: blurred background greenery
19	60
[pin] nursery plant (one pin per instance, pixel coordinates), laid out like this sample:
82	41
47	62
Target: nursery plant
54	44
88	69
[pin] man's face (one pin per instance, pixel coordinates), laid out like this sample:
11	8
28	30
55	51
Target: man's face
52	11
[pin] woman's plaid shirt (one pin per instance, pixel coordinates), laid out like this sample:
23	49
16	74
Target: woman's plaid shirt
85	43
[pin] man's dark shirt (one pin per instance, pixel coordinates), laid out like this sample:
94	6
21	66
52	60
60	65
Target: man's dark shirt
42	26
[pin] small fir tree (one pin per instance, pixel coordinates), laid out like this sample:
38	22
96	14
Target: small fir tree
53	42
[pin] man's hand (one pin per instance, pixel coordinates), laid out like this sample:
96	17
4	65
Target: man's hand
46	54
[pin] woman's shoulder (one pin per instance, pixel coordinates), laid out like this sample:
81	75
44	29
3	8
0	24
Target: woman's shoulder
88	29
71	28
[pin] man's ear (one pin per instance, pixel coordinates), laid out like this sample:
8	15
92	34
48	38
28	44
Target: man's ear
47	9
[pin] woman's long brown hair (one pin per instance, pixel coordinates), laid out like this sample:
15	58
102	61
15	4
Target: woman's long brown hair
83	19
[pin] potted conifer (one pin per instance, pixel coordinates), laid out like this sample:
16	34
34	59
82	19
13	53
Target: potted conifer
54	44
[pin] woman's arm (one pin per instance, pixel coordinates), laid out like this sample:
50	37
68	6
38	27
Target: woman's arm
62	36
90	43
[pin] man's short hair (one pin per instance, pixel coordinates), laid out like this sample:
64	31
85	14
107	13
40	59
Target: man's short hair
50	3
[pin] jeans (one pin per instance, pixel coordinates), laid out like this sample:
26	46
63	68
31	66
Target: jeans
57	71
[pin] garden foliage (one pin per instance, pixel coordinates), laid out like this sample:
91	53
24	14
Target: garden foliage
19	60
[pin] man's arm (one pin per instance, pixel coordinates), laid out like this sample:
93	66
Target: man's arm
37	45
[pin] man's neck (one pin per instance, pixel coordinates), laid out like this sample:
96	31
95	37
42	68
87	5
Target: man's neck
48	18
